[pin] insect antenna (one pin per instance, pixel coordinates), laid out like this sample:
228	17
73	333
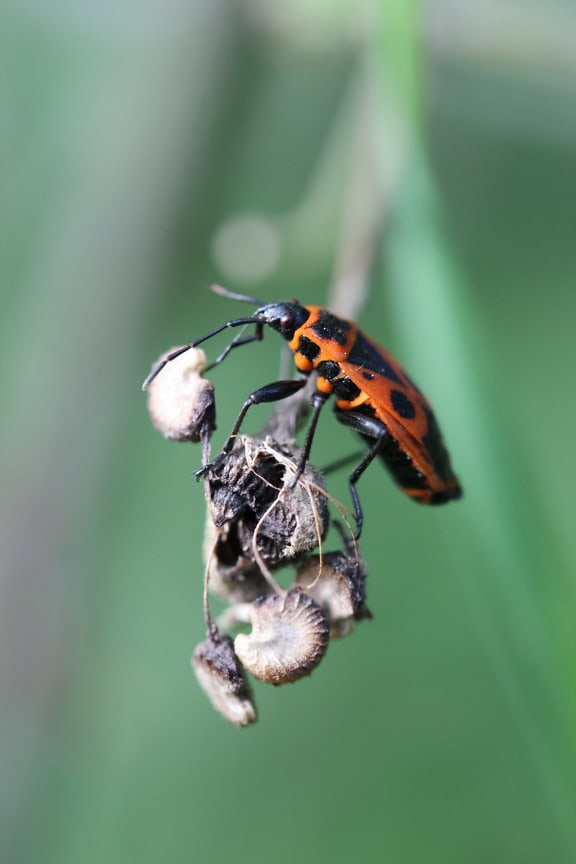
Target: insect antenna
238	322
233	295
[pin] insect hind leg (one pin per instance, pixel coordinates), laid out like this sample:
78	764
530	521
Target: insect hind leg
372	428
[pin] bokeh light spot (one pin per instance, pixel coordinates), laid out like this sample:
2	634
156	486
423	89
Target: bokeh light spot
247	248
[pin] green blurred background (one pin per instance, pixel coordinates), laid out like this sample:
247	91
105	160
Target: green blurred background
427	151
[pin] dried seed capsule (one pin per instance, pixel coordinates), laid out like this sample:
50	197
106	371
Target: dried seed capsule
338	587
221	677
288	639
246	488
180	401
231	574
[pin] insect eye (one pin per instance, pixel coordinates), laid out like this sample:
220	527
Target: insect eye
287	320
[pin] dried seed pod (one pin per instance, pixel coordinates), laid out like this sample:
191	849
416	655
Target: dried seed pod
231	575
338	587
180	401
221	677
288	639
246	488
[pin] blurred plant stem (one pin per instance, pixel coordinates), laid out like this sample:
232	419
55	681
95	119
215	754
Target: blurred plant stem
100	166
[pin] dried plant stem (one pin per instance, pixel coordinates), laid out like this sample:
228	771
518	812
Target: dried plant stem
363	216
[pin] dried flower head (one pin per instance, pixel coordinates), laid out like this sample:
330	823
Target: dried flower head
337	583
180	401
249	489
221	677
288	639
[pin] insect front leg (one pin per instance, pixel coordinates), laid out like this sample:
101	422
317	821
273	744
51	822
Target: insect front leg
370	427
236	342
270	393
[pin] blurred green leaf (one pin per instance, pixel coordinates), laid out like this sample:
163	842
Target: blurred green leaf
442	731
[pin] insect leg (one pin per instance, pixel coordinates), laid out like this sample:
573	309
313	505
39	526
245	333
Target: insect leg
270	393
342	462
238	322
318	402
371	428
235	343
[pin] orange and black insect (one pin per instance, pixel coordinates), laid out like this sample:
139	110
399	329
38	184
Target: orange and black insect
374	396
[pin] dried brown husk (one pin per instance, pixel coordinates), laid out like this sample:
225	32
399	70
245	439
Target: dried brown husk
248	490
232	575
220	675
337	582
180	401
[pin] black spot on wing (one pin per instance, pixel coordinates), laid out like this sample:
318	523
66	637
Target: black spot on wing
366	356
400	465
331	328
402	405
434	446
452	493
396	460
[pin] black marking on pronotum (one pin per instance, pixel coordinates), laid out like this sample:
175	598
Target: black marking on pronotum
369	376
310	350
331	328
402	405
